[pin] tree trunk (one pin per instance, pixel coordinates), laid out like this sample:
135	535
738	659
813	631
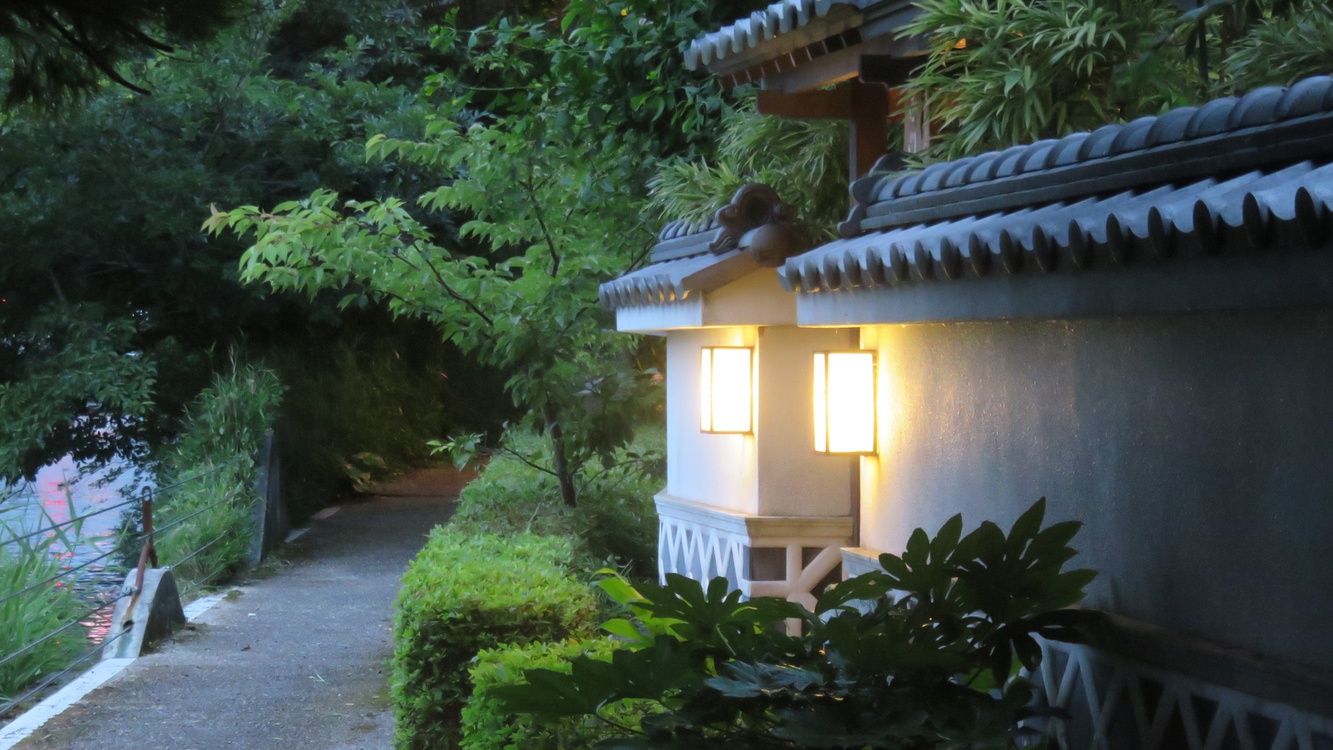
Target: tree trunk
560	462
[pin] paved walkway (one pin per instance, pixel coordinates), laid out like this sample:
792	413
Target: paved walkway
296	661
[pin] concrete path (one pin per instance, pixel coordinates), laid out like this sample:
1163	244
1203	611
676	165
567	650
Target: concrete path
296	661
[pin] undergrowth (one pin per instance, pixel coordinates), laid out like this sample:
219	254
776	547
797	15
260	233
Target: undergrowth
206	478
28	617
614	523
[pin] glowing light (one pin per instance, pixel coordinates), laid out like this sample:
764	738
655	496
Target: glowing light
726	375
844	401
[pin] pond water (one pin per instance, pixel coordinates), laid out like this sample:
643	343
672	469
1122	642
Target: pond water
65	491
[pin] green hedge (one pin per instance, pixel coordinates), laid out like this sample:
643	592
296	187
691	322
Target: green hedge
464	593
487	727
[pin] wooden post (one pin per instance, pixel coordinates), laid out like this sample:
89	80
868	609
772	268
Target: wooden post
864	105
916	125
870	127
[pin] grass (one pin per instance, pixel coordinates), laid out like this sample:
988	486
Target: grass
28	617
203	509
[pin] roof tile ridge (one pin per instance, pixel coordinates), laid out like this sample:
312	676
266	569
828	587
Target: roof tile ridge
1257	108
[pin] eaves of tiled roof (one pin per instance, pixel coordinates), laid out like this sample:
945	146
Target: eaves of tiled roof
1235	175
675	280
751	232
779	25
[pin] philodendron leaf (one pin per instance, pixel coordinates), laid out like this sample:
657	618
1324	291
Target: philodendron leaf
917	553
1025	528
866	587
647	673
622	628
946	541
743	680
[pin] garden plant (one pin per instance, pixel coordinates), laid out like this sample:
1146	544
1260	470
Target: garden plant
931	652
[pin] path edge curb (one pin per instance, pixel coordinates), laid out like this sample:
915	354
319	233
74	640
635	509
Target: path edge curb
28	722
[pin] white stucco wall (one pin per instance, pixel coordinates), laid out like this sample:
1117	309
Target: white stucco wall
756	299
794	480
717	470
774	471
1195	449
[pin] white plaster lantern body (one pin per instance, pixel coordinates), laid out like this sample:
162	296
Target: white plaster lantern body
745	497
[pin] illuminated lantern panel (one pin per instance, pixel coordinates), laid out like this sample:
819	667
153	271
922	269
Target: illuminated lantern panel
725	381
845	402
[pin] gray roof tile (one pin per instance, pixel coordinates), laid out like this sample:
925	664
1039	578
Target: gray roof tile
1253	131
762	26
1257	211
701	256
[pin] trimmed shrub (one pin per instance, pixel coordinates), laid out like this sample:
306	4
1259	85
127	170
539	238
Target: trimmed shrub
486	726
464	593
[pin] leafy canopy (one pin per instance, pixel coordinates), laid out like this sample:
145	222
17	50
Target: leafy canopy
101	212
539	149
1014	71
56	48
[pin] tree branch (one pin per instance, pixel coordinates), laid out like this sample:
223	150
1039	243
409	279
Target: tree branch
95	57
524	459
449	290
541	221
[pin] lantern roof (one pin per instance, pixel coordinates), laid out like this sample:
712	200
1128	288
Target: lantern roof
693	256
1234	176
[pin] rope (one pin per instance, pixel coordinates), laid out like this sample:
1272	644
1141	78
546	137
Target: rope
109	508
199	475
158	530
190	556
70	522
77	621
57	576
44	683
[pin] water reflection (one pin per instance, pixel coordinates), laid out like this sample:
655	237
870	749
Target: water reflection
60	493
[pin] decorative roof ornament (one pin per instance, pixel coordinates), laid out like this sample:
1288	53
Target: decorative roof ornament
758	207
755	230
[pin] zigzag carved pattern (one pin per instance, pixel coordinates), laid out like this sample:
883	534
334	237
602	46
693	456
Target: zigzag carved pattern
1116	705
701	552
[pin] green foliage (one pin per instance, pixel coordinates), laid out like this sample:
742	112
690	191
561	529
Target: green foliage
1213	32
805	161
1278	51
615	522
487	726
464	593
102	208
207	477
925	654
1014	71
542	166
69	380
56	48
28	617
1031	70
608	75
382	389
